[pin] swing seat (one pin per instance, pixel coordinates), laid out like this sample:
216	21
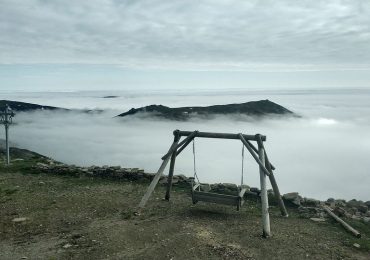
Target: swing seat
224	199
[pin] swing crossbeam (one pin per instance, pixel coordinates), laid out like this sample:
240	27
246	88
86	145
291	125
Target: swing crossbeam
220	135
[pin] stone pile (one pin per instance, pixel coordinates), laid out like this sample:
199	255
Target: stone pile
311	208
110	172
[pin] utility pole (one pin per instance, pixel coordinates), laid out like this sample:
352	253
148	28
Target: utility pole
6	118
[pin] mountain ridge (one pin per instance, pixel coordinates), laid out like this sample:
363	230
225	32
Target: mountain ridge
251	108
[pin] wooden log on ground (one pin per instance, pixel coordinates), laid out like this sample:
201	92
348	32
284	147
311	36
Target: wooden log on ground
221	135
156	178
260	163
264	197
342	222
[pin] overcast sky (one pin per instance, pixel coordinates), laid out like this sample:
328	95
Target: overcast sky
107	44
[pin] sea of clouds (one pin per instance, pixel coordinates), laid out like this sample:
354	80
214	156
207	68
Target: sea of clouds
324	153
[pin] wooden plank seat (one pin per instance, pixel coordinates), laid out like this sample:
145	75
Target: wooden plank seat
218	198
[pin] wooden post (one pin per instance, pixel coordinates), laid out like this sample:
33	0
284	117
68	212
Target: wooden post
276	190
155	180
172	168
7	144
274	185
264	198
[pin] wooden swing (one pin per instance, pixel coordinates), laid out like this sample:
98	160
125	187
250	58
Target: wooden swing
198	194
259	154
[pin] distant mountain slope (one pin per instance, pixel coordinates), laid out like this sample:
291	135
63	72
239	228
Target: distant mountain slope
253	108
25	107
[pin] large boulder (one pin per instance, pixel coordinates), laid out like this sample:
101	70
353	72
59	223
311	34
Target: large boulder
362	208
292	199
339	211
310	202
354	203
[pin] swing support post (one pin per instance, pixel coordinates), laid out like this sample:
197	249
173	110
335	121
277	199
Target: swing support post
273	182
264	197
157	176
172	167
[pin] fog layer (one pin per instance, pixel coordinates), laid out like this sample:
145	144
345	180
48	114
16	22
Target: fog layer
323	154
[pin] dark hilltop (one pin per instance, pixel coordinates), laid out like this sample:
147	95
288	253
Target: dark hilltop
26	107
253	108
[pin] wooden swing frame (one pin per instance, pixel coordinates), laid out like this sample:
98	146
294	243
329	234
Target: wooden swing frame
258	153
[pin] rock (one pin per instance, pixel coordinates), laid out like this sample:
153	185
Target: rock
362	208
67	246
205	187
255	190
182	177
310	202
163	180
307	212
293	198
19	220
42	165
339	211
175	180
366	219
230	186
340	203
354	203
318	219
356	245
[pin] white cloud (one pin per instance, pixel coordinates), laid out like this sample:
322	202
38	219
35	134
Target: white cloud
187	34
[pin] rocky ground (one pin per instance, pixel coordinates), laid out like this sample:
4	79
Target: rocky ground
54	211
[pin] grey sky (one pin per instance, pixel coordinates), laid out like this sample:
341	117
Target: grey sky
255	36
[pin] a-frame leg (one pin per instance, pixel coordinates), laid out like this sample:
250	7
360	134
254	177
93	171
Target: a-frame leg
264	198
156	178
276	190
273	182
171	170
